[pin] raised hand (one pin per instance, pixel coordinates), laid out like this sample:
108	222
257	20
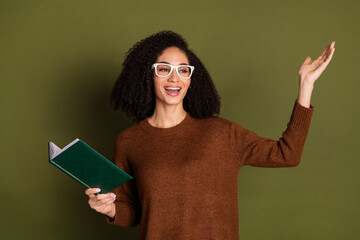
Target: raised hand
102	203
309	72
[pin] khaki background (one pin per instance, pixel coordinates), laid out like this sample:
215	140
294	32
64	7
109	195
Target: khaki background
59	60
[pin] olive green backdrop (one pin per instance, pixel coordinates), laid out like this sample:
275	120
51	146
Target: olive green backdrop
59	60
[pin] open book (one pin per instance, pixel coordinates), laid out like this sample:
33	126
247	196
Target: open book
55	150
87	166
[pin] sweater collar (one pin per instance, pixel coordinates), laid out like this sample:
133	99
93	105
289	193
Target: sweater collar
145	125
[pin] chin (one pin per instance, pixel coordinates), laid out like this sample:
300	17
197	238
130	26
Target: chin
170	101
173	102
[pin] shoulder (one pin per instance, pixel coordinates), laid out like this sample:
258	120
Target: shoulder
213	123
128	135
214	120
220	125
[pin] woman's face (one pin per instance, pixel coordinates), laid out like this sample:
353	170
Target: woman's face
172	89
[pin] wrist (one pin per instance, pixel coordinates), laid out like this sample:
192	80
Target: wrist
306	84
111	213
304	97
305	92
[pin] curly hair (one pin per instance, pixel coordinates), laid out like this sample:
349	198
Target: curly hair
133	92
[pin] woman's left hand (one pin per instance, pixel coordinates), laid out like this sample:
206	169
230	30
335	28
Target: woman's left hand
310	71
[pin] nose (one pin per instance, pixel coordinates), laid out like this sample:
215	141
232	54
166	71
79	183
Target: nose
173	76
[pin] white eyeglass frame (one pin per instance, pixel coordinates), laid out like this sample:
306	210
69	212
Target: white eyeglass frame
172	67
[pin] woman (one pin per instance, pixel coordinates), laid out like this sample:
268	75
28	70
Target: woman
184	160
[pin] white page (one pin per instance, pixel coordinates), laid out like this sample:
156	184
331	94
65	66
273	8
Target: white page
55	150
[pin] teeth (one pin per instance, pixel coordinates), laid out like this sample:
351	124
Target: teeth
172	88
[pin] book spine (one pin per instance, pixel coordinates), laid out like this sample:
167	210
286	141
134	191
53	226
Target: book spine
68	173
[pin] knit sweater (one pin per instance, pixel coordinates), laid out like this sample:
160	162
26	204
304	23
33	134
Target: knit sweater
185	177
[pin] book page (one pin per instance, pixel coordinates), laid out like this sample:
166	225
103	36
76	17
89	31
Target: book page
69	145
55	150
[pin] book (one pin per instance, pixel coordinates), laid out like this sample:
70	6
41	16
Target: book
87	166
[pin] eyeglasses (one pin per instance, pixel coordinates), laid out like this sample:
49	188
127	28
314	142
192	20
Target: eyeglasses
164	70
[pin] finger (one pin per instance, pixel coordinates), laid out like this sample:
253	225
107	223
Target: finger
92	191
329	54
333	44
109	202
100	205
328	59
329	50
104	196
101	202
106	201
101	197
326	51
323	65
318	61
323	54
321	59
307	60
321	68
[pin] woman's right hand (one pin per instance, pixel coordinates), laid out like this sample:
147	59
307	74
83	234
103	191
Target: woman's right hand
102	203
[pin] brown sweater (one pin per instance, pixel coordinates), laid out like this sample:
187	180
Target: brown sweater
185	177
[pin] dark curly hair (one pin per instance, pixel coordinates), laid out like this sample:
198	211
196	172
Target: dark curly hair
133	92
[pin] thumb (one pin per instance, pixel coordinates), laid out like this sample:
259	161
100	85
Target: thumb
307	60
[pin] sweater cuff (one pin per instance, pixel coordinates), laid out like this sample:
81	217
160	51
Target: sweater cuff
125	215
301	116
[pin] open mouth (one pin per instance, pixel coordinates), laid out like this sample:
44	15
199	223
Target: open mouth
172	90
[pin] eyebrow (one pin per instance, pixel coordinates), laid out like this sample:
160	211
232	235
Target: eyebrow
170	64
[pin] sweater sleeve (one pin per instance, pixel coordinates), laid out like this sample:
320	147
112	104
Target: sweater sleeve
128	209
265	152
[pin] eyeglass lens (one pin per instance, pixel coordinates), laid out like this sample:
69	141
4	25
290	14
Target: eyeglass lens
164	70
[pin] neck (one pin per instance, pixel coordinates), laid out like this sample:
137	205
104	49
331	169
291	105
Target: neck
167	116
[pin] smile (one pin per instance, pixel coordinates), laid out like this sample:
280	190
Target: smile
172	91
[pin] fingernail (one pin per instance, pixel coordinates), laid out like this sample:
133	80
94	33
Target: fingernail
98	190
113	195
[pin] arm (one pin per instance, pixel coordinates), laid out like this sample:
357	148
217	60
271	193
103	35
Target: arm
126	210
257	151
286	152
121	207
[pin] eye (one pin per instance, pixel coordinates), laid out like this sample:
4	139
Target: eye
163	68
184	70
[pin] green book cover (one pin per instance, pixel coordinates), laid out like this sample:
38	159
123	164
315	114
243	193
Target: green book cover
87	166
